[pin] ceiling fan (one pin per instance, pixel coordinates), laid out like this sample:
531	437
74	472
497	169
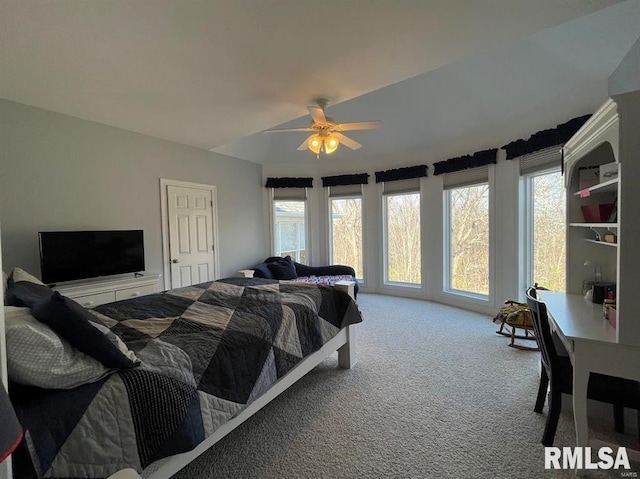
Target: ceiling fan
326	133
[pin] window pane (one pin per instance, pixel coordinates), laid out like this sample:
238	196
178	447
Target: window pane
289	229
549	231
346	233
288	235
403	238
469	239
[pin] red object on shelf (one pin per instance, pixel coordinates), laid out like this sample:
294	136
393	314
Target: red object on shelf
597	213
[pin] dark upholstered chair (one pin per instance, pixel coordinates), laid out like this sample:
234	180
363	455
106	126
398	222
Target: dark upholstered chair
557	372
262	270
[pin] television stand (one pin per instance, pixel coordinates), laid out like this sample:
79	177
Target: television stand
93	292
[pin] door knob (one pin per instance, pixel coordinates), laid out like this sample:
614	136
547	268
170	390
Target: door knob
175	261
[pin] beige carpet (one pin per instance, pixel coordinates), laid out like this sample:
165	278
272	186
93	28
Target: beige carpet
435	394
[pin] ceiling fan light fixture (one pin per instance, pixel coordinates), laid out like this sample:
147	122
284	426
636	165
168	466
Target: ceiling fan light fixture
315	144
327	135
331	144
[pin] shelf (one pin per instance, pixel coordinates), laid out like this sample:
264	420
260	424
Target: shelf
595	225
610	186
604	243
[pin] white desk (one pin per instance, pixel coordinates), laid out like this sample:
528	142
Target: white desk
592	346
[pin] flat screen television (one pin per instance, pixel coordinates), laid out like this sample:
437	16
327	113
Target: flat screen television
72	255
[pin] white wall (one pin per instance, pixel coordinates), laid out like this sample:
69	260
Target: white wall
629	223
626	78
58	172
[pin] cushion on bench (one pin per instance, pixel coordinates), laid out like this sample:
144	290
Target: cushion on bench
324	280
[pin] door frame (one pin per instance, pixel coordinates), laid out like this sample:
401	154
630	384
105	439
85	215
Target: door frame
164	211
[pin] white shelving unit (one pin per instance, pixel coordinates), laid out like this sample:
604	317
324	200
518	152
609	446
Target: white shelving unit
602	243
610	135
595	228
596	143
610	186
596	225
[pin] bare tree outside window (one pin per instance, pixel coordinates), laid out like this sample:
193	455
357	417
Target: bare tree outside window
548	202
346	233
403	238
469	239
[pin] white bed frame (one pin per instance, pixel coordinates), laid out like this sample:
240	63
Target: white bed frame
344	342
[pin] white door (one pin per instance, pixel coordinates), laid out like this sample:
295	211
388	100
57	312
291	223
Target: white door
190	212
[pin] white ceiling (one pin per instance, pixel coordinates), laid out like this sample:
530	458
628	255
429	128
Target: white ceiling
212	73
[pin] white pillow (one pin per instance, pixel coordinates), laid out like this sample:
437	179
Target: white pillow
19	274
37	356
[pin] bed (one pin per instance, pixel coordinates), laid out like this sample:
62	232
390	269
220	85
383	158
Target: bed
207	357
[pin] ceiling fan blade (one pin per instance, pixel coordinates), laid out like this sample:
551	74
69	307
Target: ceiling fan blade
317	114
280	130
305	144
346	141
359	125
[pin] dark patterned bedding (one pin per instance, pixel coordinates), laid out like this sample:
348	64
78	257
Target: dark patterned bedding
206	352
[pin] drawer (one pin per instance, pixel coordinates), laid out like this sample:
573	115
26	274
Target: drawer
93	300
135	292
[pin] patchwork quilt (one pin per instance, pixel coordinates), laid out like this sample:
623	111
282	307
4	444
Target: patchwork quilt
206	352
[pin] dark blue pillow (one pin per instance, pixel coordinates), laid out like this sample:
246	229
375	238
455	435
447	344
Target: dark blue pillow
73	322
283	268
25	293
262	271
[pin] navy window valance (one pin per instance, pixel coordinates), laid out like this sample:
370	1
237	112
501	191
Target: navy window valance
289	183
545	138
345	180
479	158
407	173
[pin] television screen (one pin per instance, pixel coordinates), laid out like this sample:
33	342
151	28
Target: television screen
71	255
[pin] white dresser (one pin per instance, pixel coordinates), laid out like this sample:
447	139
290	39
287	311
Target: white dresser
96	291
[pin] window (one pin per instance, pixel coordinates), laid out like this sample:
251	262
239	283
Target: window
346	232
290	229
402	238
546	232
467	235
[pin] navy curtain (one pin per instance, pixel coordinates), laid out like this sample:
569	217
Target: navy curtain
407	173
345	180
479	158
289	183
545	138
